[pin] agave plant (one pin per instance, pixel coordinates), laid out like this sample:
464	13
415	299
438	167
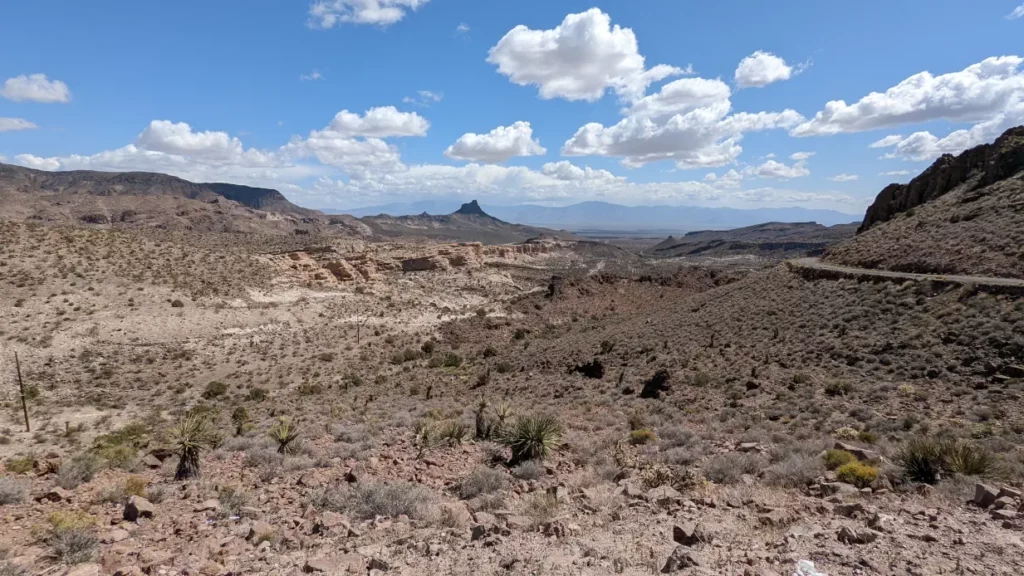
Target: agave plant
190	437
532	437
284	432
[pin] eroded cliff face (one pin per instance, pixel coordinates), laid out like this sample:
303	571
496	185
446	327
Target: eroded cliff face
975	168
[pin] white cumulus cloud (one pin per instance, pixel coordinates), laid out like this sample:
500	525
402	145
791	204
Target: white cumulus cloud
380	122
565	170
761	69
15	124
498	145
779	170
982	92
330	13
35	88
1018	12
580	59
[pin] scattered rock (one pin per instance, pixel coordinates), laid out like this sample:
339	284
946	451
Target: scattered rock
211	505
319	565
1009	493
55	494
1004	514
114	536
682	557
690	534
138	507
984	495
881	522
774	517
664	495
830	488
860	453
260	531
848	535
152	462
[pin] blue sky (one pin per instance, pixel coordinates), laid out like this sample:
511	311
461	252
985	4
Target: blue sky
653	102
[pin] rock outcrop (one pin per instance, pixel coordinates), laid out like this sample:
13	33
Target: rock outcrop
976	168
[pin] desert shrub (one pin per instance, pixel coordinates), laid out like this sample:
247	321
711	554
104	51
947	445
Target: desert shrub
859	474
240	418
214	389
532	437
370	500
310	389
231	501
541	507
642	436
453	432
120	447
79	470
921	460
20	465
189	438
407	355
728	468
867	437
835	458
529	470
838	388
926	460
326	356
795	471
71	537
256	395
428	347
801	378
177	303
261	457
701	380
283	433
482	480
490	352
520	333
452	360
503	367
11	491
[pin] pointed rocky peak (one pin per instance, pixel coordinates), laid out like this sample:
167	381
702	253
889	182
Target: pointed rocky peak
472	208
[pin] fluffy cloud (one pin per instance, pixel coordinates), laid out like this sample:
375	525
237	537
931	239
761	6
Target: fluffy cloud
314	75
1018	12
687	121
761	69
569	172
800	156
381	122
35	88
981	92
579	59
15	124
498	145
845	178
330	13
775	169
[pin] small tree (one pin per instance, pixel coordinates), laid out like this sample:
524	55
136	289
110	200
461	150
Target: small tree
284	432
190	437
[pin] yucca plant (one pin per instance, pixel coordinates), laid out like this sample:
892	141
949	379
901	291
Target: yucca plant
284	432
532	437
190	437
965	457
240	418
504	413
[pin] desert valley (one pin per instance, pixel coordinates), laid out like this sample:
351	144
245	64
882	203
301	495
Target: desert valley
218	381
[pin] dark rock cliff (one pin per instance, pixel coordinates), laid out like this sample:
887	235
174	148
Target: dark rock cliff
985	164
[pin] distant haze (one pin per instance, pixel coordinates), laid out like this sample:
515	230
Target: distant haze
602	216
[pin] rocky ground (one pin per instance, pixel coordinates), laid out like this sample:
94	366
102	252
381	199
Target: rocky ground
712	422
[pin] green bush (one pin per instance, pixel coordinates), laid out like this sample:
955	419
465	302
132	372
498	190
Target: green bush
79	470
189	438
532	437
859	474
481	480
310	389
214	389
836	458
452	360
838	388
642	436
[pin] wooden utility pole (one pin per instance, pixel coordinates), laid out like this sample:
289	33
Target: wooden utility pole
21	386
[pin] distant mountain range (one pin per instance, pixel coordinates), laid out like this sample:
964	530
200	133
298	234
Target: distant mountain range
603	216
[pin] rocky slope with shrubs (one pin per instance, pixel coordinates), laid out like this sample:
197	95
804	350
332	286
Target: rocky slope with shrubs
963	215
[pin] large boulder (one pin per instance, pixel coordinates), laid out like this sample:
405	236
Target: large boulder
425	264
138	507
